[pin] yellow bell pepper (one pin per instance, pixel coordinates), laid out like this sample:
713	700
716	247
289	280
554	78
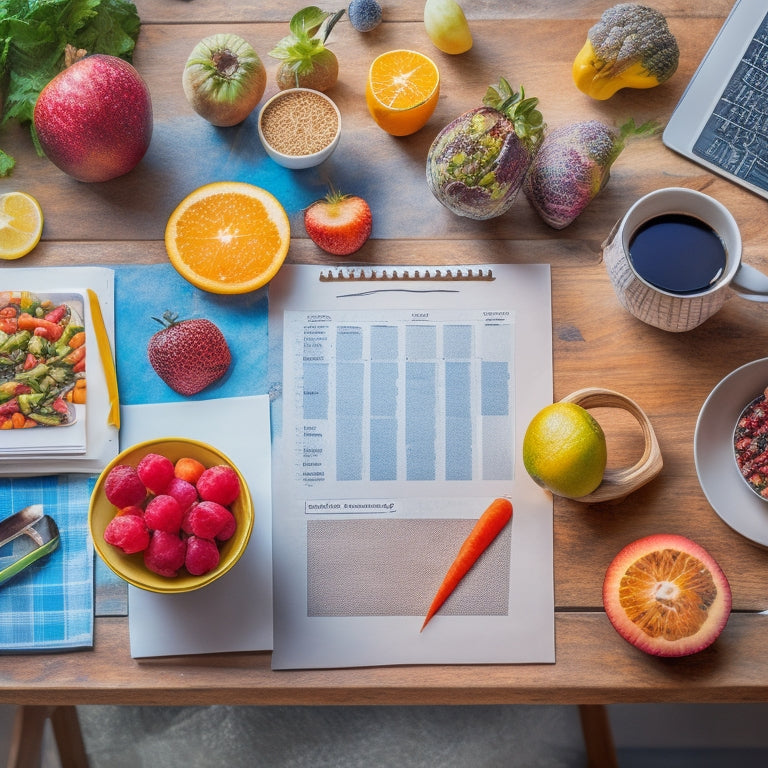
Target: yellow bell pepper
630	47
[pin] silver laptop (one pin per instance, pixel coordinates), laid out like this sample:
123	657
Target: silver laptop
721	120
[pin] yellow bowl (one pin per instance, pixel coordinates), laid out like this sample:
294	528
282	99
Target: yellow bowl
131	567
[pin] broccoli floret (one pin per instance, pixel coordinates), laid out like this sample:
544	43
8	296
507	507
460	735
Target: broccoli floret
629	34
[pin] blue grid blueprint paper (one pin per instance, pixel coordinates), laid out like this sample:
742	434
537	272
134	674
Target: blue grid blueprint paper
146	291
49	606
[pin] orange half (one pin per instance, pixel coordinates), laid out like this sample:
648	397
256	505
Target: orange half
402	91
228	237
666	595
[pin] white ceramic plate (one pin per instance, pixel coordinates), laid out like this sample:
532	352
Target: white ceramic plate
737	505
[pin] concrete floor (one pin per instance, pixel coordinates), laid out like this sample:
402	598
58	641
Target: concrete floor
683	736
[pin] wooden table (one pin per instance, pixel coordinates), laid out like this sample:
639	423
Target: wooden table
596	343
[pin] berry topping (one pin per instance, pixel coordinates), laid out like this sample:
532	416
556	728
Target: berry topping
123	486
208	519
219	483
202	555
165	553
164	513
155	471
127	532
185	493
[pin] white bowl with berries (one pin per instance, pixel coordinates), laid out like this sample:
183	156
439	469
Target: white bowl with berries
170	515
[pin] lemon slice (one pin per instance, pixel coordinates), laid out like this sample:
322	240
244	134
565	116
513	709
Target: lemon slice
21	224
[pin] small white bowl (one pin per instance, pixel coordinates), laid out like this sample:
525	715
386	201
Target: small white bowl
298	161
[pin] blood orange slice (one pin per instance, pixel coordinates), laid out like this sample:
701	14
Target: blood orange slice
666	595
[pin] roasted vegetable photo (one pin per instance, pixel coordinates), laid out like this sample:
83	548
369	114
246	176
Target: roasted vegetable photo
478	162
42	361
630	47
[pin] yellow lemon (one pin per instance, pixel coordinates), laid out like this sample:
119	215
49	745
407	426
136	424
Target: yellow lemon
564	450
21	224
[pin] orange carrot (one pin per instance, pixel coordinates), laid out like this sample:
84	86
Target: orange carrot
75	356
77	340
486	529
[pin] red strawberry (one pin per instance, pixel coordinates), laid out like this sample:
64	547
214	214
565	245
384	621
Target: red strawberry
188	355
339	223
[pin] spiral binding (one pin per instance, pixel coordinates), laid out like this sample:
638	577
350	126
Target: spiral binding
367	274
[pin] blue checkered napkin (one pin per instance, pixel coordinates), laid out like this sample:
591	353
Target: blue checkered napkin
49	605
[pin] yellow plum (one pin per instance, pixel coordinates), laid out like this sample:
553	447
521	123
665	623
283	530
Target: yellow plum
447	26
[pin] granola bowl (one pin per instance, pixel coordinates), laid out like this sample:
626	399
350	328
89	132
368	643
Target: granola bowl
299	127
750	445
730	496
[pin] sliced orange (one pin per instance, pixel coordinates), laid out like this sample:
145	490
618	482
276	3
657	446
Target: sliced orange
402	91
666	595
228	237
21	224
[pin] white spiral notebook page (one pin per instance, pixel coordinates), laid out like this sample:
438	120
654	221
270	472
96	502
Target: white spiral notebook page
403	405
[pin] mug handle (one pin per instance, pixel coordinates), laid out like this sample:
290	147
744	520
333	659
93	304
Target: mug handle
618	483
750	283
608	240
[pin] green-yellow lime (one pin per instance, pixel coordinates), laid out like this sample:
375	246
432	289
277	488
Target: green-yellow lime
564	450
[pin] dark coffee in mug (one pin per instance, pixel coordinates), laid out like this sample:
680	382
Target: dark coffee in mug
677	253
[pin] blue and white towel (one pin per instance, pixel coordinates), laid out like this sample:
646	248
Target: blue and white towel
49	605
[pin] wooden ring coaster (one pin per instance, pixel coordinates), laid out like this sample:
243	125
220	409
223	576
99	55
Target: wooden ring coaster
618	483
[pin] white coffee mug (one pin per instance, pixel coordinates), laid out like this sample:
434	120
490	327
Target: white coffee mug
663	308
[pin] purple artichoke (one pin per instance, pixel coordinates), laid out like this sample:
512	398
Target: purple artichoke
573	163
477	163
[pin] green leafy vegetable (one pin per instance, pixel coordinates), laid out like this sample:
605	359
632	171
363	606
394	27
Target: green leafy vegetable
6	163
310	28
33	37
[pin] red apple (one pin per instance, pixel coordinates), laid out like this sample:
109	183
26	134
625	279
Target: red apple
94	119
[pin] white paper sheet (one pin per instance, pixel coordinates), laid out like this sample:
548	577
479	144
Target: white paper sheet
234	613
403	407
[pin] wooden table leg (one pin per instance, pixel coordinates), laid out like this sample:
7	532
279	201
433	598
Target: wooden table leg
598	738
27	737
69	737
